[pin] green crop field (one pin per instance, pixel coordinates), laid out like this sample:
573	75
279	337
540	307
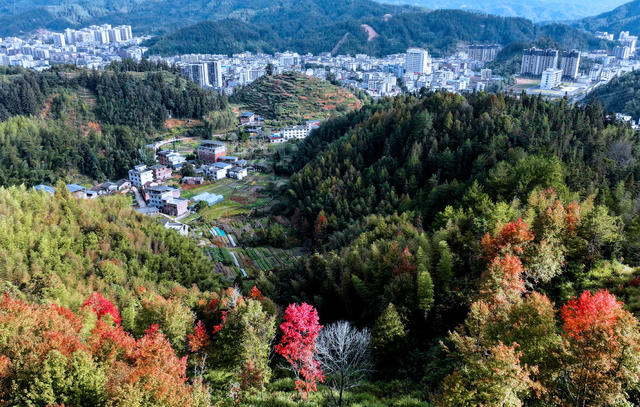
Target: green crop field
240	197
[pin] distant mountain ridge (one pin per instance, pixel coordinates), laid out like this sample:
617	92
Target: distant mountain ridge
535	10
623	18
228	26
157	16
441	31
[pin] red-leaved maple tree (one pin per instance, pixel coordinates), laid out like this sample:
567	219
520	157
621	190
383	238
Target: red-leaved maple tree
256	294
597	311
502	282
199	339
102	306
601	342
300	330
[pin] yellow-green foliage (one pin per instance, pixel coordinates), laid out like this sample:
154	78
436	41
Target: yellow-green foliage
62	249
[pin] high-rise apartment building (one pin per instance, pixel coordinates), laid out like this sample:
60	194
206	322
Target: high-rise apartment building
570	64
214	69
199	73
483	53
417	61
622	52
535	61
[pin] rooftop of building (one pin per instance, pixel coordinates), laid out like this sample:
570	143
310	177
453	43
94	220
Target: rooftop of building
46	188
75	188
209	143
161	188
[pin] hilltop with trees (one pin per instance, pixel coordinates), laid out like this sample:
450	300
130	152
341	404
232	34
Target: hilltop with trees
68	122
292	98
620	95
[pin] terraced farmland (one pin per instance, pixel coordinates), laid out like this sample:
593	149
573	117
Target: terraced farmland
240	197
267	258
292	98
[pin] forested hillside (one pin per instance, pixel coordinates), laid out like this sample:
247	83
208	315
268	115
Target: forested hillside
483	249
102	306
623	18
73	123
620	95
439	31
446	217
157	16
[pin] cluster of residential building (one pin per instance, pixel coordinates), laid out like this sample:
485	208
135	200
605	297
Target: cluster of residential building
171	158
160	198
216	164
553	66
627	43
95	34
141	175
148	183
543	63
165	199
464	71
97	46
91	47
80	192
385	76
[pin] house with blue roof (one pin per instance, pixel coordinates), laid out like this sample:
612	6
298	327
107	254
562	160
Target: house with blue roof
77	191
247	118
45	188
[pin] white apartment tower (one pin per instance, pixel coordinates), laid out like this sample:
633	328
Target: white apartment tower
114	35
59	40
483	53
418	61
570	64
125	32
68	35
628	41
101	35
535	61
622	52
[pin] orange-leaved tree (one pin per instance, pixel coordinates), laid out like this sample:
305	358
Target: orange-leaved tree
51	356
602	350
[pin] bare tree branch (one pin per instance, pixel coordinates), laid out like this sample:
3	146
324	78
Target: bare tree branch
344	355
